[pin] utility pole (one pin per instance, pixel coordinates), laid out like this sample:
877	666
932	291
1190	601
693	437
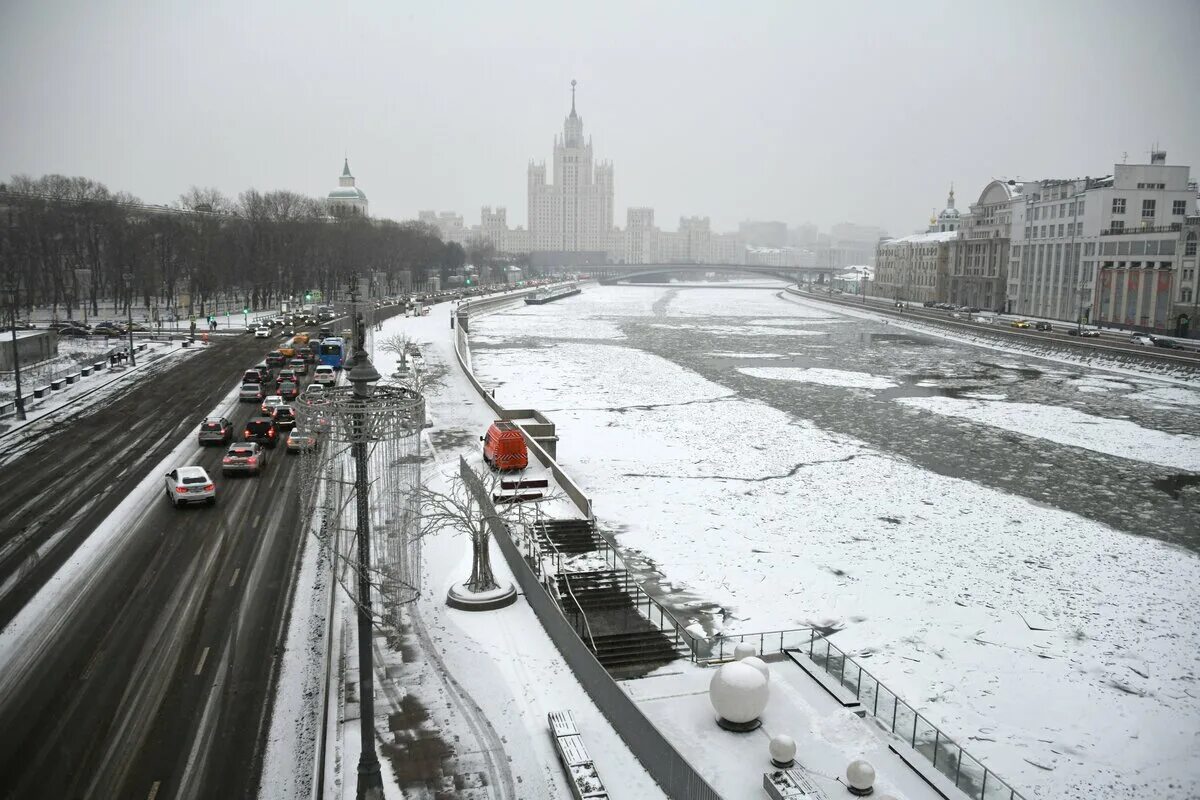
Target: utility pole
14	289
128	277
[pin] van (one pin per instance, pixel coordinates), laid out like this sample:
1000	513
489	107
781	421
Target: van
504	447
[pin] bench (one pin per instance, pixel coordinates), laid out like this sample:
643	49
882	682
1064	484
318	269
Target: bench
85	371
73	378
99	365
582	778
57	383
41	391
827	682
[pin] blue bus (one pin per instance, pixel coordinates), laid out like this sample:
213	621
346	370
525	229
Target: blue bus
332	352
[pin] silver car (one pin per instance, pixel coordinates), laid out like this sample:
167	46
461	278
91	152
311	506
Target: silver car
251	392
246	458
190	485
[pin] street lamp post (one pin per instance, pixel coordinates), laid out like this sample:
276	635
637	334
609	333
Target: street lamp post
363	378
13	289
128	277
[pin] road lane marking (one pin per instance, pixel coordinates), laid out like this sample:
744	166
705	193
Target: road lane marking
257	519
153	791
203	657
233	580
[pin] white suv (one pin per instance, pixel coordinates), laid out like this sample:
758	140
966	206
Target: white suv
325	375
190	485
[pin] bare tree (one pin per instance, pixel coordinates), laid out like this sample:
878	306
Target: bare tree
412	371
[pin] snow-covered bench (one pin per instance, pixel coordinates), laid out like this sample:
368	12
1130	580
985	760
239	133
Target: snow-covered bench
581	770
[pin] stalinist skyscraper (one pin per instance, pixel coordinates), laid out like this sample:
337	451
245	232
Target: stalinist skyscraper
573	213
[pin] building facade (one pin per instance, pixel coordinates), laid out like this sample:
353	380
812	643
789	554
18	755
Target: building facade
914	268
572	212
1108	250
347	198
979	256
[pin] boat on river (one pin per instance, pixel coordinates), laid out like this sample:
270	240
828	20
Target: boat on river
543	296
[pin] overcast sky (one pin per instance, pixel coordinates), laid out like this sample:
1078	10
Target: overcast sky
797	111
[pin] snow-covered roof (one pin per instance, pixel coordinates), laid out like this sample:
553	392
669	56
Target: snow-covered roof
925	238
347	193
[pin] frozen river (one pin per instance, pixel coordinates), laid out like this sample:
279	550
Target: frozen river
1008	542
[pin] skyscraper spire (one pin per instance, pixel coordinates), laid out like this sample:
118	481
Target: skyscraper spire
572	97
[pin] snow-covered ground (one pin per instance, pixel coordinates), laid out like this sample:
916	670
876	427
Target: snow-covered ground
1058	648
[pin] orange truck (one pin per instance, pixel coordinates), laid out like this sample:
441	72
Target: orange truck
504	447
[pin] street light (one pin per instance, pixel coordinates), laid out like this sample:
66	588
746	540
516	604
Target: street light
363	378
128	277
13	287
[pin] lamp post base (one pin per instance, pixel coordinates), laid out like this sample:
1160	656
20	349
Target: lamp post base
463	599
739	727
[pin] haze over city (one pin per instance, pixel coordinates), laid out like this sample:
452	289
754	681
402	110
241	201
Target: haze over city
792	111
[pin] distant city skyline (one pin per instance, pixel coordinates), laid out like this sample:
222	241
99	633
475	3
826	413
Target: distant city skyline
786	112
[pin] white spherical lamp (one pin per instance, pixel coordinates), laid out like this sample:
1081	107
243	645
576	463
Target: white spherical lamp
860	778
738	693
758	664
783	751
743	650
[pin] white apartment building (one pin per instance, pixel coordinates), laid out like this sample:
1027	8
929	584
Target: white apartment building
1107	249
914	268
574	211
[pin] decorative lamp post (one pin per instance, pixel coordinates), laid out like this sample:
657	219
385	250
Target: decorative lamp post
128	278
13	286
363	378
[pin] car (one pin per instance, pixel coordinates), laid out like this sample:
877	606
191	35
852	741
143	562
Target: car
288	351
190	485
252	392
287	375
276	321
1169	344
60	324
251	327
244	458
285	417
215	429
74	332
314	391
325	374
137	327
288	390
299	441
1043	326
276	359
1019	323
300	339
927	304
269	403
298	365
262	430
1143	339
288	330
1085	332
262	332
254	375
326	332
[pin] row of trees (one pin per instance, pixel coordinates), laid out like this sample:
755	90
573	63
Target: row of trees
255	250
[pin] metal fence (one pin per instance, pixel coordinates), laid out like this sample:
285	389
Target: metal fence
893	714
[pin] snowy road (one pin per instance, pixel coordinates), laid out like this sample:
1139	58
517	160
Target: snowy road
139	640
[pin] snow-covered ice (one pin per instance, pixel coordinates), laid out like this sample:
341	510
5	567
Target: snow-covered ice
824	377
932	578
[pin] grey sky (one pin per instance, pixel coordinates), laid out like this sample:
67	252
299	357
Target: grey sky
796	111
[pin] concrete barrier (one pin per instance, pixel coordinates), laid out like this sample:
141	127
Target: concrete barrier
569	487
41	391
57	383
73	378
99	365
85	371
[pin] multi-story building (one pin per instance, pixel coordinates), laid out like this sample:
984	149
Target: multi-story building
1187	300
572	213
449	225
916	268
1105	249
764	234
979	256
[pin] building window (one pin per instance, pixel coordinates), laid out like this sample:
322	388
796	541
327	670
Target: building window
1060	230
1118	224
1185	295
1118	205
1179	208
1189	247
1148	209
1079	208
